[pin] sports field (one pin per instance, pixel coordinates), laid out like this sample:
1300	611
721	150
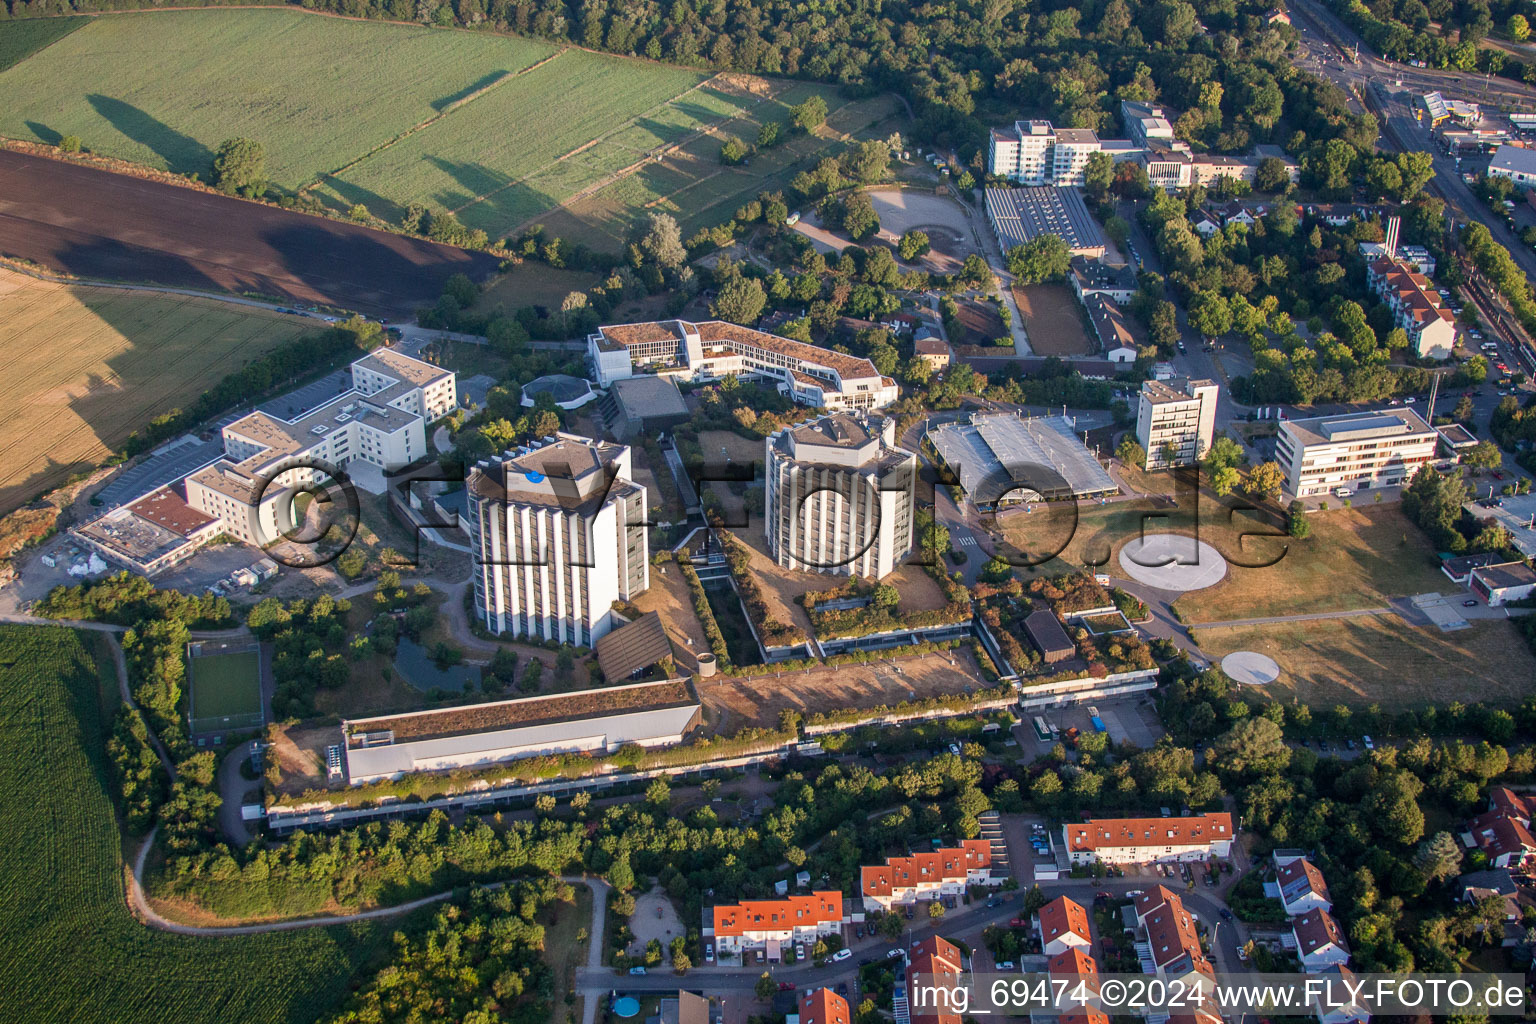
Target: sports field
502	131
86	366
225	690
74	953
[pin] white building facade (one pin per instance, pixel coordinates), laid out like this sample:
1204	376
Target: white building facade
1176	421
1357	451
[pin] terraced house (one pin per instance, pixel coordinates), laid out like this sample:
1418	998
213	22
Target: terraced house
1146	840
926	876
768	924
712	349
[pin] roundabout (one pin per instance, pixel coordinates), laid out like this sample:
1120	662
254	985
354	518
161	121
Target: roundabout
1250	668
1171	561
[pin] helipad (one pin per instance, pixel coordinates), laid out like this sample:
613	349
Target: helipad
1250	668
1171	561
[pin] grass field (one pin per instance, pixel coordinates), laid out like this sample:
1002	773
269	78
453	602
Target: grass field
86	366
1379	658
226	691
76	954
1355	558
21	39
500	130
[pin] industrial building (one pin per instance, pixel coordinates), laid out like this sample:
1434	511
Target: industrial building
1353	451
586	721
559	533
841	496
1019	215
1004	459
1176	421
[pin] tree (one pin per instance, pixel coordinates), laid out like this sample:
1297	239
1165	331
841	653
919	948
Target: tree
1414	171
768	134
1438	857
860	220
765	987
1210	314
734	151
810	115
1254	744
1224	481
70	144
1034	899
1296	521
240	168
620	875
997	570
1272	175
1518	27
935	910
1099	172
658	794
1265	481
1042	258
663	241
1483	455
867	161
1131	453
740	300
1224	452
913	244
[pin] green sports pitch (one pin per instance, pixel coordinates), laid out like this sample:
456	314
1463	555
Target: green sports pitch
225	688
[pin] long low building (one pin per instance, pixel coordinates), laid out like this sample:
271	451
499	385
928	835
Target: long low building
1004	459
927	875
711	349
1020	215
586	721
767	924
1146	840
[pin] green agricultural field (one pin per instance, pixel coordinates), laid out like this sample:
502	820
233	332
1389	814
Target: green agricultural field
164	89
76	954
21	39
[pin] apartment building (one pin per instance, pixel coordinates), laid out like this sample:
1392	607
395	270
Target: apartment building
1302	887
1146	840
1176	421
380	420
1023	152
946	871
768	924
1354	451
712	349
1145	122
559	534
1063	925
1167	941
840	496
1415	306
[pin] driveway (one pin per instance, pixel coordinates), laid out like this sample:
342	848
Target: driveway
235	790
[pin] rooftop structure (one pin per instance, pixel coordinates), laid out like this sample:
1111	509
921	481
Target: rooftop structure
565	391
1437	108
633	647
840	496
712	349
1501	584
591	721
1004	459
1115	281
1050	639
152	535
644	406
1019	215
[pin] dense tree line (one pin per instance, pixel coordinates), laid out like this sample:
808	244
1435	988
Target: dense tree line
1443	33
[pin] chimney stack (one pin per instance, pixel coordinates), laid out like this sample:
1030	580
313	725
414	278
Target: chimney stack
1394	227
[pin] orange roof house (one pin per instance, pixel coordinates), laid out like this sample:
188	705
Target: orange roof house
924	875
1063	924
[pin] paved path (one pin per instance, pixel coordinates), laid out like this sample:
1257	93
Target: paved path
1306	617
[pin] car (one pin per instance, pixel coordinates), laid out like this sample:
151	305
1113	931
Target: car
1342	492
1350	743
637	970
893	953
1497	475
1133	893
1017	922
1469	603
909	913
1396	401
799	951
786	986
841	955
709	952
1369	743
1410	400
992	902
1226	915
1005	965
954	748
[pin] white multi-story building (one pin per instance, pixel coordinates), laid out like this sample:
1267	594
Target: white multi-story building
1146	121
947	871
1356	451
1122	840
756	924
381	420
558	530
840	496
1177	418
712	349
1069	157
1023	152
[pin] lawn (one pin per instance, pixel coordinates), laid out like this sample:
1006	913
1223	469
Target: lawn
226	691
1378	658
1355	558
76	953
87	367
565	949
164	89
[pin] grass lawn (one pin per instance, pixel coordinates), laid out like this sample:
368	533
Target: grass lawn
1378	658
226	690
74	951
86	367
1354	558
565	949
533	284
165	88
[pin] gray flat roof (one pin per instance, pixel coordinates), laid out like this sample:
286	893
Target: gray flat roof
1021	214
996	453
648	395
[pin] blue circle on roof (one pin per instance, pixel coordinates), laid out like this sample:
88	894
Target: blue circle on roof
627	1006
534	477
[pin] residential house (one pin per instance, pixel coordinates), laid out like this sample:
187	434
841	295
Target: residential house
1506	840
1302	887
1168	942
766	924
1095	277
1123	840
823	1006
928	875
1063	925
1319	940
939	961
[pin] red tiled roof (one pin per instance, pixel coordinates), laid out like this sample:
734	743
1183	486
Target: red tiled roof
1062	917
933	956
823	1006
1110	833
1514	804
1086	1015
1302	872
1499	834
945	864
778	915
165	508
1316	929
1073	963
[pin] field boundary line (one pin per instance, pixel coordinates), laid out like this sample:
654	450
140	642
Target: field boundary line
429	122
590	143
1280	620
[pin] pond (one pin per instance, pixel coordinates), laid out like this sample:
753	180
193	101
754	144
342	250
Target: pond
415	665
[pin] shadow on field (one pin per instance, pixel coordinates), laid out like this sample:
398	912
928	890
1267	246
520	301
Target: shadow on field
47	136
469	90
182	153
506	204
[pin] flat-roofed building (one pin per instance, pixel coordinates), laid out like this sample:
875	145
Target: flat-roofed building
1045	632
926	875
753	924
586	721
559	533
1500	584
1516	163
1121	840
1020	215
643	406
1146	121
712	349
840	496
151	535
1005	459
1176	421
1354	450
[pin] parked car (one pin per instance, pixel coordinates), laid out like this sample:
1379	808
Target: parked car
637	970
1369	743
786	986
842	954
1226	915
1006	965
1469	603
894	952
709	952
